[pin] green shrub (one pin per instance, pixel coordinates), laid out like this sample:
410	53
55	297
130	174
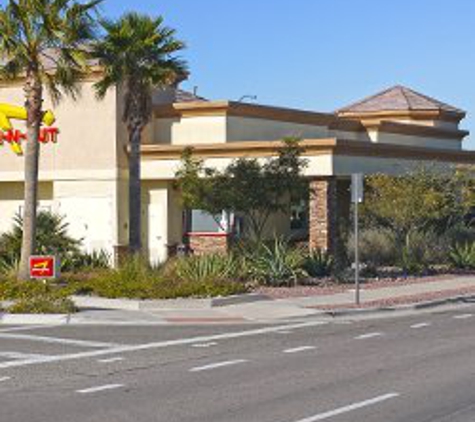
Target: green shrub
136	279
463	256
43	304
376	247
11	289
318	263
276	264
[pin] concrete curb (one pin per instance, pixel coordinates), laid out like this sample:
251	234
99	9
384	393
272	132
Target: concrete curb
407	307
166	304
34	319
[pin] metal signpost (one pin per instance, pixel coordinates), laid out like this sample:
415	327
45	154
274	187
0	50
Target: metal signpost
356	198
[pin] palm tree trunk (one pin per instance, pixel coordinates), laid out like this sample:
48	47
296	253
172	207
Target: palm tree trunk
34	93
135	192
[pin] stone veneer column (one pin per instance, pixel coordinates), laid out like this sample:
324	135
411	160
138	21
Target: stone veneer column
208	243
323	214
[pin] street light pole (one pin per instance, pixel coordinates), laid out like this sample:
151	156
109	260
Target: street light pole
357	197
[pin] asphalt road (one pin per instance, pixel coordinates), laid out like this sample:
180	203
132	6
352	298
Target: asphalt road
415	368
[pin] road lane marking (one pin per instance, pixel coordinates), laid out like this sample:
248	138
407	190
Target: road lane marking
463	316
17	355
368	335
204	345
110	360
217	365
57	340
161	344
3	379
349	408
299	349
27	328
99	388
421	325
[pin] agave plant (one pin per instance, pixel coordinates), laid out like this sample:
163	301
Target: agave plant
318	263
213	267
463	256
97	259
277	263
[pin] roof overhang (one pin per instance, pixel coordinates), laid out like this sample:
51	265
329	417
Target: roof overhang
312	147
443	115
239	109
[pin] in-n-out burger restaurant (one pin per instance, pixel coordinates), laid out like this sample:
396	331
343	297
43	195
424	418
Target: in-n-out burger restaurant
83	166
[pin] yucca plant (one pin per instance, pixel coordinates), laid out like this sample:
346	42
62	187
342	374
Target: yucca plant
462	256
277	263
318	263
51	237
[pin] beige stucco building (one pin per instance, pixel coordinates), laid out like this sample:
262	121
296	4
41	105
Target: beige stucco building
84	175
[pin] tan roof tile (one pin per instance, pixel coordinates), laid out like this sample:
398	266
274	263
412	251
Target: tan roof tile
398	98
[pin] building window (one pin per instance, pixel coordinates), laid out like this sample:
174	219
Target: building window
199	221
299	216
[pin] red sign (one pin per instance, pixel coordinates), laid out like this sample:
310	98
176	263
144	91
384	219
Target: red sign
42	267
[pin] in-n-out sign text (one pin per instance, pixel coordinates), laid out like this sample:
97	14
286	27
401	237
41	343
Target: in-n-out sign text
14	137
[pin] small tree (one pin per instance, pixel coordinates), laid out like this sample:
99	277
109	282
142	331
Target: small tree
254	188
418	202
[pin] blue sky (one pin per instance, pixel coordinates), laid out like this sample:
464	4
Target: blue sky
323	54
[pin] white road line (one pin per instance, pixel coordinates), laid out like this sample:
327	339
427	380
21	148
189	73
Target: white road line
368	335
17	355
161	344
27	328
204	345
56	340
421	325
349	408
3	379
463	316
299	349
110	360
99	388
217	365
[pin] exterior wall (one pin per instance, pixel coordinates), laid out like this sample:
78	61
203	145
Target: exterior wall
346	165
80	171
87	134
11	201
434	123
166	169
88	207
175	217
190	130
419	141
251	129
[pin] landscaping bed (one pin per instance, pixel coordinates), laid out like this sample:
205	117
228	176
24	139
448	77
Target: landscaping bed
329	286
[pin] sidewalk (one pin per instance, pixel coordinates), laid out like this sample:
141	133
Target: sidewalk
257	309
392	295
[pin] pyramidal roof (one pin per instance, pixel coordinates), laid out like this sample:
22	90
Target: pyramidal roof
399	98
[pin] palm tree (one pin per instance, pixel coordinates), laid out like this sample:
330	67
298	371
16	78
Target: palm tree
42	41
138	55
